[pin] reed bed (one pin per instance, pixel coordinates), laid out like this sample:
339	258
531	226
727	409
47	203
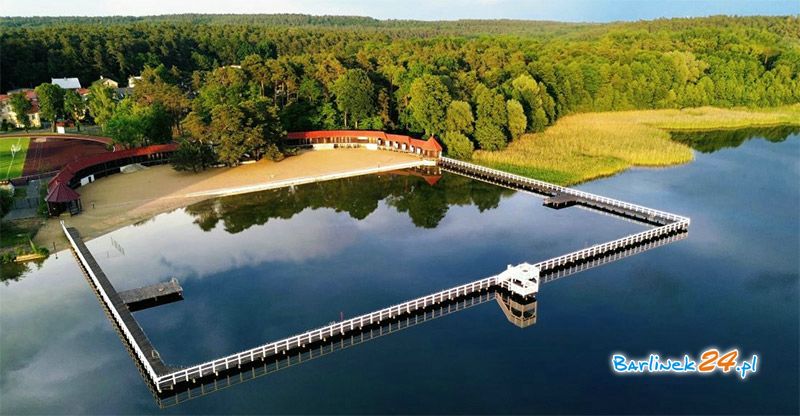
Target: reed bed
587	146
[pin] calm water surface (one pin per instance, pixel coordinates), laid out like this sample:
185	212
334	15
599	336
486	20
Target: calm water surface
263	266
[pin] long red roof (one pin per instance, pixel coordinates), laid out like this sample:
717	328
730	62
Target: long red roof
66	174
430	144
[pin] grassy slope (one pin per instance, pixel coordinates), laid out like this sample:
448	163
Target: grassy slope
586	146
12	167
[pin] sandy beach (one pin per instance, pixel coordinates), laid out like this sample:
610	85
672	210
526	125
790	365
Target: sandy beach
123	199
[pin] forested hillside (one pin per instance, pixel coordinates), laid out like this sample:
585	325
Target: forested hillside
481	82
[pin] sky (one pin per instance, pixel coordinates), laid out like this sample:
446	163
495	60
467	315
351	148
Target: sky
560	10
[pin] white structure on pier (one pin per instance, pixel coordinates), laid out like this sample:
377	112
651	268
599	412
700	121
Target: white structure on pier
522	279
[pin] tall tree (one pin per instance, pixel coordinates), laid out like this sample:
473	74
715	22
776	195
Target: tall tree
262	128
257	70
124	126
160	85
226	130
74	107
20	105
459	117
51	102
492	118
155	122
535	100
517	123
102	104
354	95
428	103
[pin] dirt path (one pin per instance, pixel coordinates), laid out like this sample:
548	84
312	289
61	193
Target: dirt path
125	199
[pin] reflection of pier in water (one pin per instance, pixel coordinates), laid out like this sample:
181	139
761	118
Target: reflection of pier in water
518	310
519	283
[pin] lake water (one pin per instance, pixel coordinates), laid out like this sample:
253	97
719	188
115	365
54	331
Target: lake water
259	267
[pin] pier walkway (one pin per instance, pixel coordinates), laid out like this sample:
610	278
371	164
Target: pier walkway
522	280
560	195
521	314
116	307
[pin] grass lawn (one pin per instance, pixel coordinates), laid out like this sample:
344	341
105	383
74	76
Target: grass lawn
586	146
11	164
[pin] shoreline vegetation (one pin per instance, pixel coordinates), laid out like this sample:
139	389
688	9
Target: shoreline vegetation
586	146
578	148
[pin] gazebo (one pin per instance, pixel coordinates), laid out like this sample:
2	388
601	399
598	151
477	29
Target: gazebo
63	198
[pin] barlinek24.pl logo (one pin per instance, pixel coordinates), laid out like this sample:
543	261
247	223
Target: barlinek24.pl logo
710	361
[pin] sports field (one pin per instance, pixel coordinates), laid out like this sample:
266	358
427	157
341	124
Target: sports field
11	163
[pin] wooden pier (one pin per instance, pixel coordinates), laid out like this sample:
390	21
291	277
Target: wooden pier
518	311
521	281
134	335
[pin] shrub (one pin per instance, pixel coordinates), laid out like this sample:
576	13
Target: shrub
458	145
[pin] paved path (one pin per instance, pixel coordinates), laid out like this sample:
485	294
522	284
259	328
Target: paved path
27	207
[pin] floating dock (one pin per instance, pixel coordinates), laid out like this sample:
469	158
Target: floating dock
153	295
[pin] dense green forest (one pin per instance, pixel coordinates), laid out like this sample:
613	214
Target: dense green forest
475	84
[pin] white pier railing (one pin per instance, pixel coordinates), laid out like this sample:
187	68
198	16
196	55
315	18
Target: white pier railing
111	307
556	189
320	334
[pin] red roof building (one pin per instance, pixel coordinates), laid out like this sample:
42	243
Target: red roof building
370	139
62	198
60	192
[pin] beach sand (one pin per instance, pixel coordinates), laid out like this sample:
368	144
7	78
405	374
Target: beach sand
123	199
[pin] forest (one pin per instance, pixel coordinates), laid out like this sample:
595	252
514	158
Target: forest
232	85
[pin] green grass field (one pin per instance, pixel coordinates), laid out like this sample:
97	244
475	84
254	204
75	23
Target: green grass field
11	164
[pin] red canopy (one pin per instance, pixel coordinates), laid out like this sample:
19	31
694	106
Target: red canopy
62	193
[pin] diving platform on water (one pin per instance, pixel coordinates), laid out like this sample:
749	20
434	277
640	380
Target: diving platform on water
153	295
520	282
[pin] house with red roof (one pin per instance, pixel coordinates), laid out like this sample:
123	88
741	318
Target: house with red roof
8	115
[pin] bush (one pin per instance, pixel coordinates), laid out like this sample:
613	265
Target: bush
193	156
458	145
490	136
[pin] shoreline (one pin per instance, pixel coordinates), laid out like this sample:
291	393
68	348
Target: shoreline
125	199
106	210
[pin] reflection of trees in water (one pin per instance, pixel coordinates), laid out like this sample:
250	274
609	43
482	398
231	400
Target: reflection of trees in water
14	271
425	204
711	141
